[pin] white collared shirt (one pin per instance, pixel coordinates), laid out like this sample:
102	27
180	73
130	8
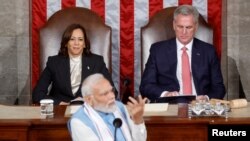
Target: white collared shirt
179	66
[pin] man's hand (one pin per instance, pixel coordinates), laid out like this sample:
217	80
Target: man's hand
136	109
202	97
63	103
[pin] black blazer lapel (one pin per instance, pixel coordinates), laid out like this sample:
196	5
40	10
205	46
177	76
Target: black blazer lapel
87	67
65	69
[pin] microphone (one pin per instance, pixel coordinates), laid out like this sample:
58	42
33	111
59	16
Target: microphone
126	82
117	123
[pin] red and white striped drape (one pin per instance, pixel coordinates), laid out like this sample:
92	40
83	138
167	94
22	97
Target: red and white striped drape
126	17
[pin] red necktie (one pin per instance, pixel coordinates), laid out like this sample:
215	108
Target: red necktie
186	74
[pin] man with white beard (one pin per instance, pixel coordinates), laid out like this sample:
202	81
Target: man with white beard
94	120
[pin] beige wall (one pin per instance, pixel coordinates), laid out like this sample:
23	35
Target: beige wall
238	47
14	51
15	56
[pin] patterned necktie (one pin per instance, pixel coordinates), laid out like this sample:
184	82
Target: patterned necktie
186	74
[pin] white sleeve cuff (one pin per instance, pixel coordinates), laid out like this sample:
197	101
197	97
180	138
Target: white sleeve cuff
141	128
163	93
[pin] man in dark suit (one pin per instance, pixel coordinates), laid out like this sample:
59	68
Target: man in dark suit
163	75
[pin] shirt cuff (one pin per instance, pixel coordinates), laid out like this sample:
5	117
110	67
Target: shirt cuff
163	93
141	128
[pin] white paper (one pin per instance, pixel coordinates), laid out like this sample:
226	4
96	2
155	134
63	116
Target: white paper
70	110
156	107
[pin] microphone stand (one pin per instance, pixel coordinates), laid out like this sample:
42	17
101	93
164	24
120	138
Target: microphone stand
117	123
115	134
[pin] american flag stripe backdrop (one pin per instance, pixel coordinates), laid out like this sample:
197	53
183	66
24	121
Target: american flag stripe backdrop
126	17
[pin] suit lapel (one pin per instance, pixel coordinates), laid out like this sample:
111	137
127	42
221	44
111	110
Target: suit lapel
172	53
86	67
66	74
196	56
196	62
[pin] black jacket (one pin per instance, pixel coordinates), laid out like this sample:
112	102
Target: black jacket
57	73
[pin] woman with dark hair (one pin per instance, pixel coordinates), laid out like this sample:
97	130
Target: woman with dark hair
67	70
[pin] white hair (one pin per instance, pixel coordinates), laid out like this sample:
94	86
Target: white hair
187	10
89	82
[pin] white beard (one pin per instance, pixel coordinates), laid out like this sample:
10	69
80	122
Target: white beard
105	108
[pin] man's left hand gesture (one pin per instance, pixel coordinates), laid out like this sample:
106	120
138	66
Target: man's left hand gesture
136	109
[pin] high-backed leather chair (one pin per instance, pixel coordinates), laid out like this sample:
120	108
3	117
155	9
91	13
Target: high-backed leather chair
160	27
98	33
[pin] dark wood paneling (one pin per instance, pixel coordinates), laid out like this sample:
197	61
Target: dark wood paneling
176	128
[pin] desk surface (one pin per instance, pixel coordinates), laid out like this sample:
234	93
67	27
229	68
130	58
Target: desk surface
158	127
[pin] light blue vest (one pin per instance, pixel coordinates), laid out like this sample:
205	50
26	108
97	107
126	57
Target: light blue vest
81	115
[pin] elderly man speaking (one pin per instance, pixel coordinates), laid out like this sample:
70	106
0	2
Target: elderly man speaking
94	120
